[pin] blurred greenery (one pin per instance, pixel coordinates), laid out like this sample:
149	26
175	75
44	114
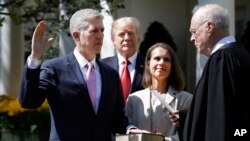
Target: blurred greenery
22	11
30	12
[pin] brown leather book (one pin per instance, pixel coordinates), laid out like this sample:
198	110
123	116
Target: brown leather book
140	137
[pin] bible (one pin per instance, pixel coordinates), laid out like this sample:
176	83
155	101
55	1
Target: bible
140	137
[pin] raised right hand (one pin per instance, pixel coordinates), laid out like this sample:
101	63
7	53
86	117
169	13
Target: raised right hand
39	44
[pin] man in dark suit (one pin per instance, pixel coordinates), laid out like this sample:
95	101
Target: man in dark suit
78	111
218	110
125	34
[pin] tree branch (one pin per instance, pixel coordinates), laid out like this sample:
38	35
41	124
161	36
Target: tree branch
4	13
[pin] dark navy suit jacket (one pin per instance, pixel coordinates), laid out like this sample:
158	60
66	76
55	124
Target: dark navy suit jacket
72	116
139	69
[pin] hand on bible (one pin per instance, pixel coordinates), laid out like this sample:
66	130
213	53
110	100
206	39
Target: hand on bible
137	131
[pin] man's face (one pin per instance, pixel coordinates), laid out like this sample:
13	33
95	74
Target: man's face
200	32
91	38
126	39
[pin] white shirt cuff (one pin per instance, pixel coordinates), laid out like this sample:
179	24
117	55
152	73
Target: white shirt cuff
130	127
33	63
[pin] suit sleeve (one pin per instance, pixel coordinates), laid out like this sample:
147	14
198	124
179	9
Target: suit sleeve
34	86
129	109
121	121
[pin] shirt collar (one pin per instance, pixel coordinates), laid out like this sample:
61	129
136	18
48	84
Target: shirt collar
132	59
82	60
223	41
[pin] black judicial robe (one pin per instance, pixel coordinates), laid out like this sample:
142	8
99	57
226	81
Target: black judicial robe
220	106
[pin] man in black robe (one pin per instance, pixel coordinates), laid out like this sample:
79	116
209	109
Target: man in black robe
219	111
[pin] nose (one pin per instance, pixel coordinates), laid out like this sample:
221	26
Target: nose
161	61
100	34
126	36
192	38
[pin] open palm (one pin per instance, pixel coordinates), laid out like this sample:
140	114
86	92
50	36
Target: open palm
39	44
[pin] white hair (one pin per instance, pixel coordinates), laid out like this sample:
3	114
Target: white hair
79	19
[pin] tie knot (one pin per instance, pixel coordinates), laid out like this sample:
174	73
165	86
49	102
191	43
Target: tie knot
126	62
89	65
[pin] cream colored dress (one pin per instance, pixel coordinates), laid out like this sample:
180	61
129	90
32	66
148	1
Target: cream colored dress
146	112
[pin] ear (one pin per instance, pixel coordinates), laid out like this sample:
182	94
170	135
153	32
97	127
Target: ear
76	35
210	27
139	38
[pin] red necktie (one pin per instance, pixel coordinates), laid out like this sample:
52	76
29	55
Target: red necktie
125	80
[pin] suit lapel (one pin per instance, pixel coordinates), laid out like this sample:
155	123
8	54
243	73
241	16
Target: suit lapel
171	96
115	64
139	68
112	62
103	87
75	70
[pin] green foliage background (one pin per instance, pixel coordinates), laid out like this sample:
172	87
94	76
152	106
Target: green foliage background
30	12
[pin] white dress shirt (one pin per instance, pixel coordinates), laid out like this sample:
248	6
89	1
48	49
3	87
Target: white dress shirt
223	41
131	66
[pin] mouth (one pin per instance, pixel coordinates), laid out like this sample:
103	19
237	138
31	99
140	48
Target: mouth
160	69
125	45
98	43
